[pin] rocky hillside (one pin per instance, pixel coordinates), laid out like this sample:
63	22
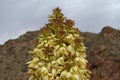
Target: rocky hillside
103	50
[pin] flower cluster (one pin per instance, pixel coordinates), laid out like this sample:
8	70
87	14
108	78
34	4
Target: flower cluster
59	53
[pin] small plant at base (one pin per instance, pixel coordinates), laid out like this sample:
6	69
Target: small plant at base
59	53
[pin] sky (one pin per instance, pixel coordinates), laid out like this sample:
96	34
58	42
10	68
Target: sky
20	16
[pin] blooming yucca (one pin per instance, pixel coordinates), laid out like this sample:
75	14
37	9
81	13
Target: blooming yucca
59	53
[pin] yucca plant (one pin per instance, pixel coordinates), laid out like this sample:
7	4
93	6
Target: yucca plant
59	53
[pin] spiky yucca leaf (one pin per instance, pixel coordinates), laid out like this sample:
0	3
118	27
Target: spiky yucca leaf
59	53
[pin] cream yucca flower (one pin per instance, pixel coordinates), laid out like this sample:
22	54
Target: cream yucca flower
60	61
59	53
63	75
70	38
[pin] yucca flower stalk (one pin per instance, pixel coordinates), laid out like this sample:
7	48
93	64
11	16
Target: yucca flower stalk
59	53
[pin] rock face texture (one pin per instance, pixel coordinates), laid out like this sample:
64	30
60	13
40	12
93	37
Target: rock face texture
103	54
